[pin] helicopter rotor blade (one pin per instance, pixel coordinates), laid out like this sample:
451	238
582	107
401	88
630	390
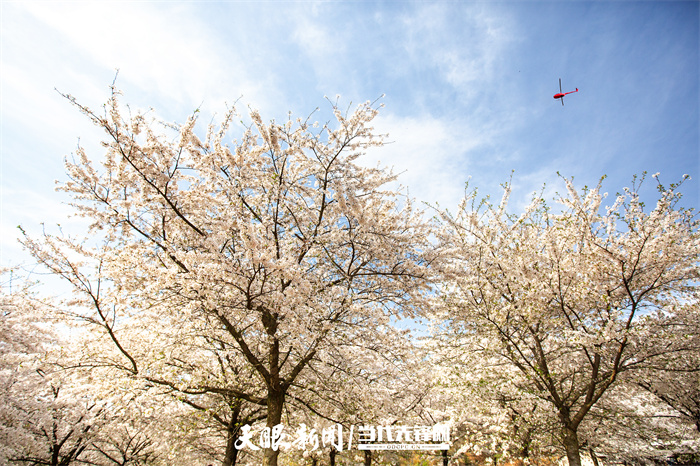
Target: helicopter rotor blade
560	85
562	101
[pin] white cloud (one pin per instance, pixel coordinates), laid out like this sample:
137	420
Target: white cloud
469	58
324	47
166	51
315	39
432	154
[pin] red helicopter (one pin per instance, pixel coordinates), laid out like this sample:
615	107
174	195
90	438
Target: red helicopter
562	94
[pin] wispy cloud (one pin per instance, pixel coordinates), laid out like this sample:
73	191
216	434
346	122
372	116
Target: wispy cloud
167	53
433	156
470	56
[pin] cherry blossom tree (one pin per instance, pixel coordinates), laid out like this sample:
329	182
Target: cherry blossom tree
631	425
262	255
492	417
655	412
372	382
674	379
569	298
206	412
45	420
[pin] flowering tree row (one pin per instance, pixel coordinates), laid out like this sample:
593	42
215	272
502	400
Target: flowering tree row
261	284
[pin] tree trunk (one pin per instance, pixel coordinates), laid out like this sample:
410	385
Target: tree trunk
368	457
231	450
445	458
275	402
232	431
275	391
332	455
570	438
525	442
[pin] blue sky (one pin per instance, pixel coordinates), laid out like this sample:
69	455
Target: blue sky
468	86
